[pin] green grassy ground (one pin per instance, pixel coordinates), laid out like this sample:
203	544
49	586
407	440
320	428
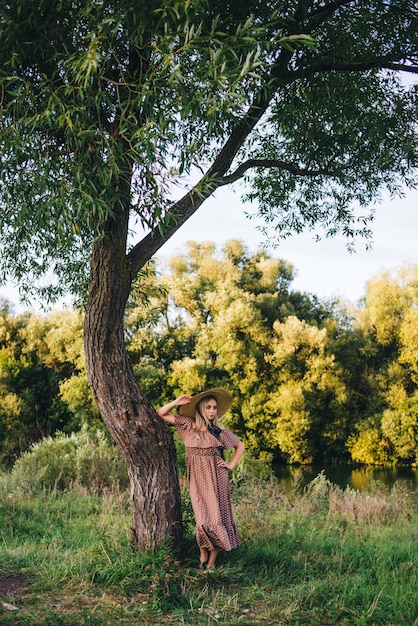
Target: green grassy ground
323	557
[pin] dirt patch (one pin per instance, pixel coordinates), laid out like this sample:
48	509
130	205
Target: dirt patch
12	584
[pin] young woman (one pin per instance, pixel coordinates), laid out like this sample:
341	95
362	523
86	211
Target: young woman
207	473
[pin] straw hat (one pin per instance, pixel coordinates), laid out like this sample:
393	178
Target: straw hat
223	398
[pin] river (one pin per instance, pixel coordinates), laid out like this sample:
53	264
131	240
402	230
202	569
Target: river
347	476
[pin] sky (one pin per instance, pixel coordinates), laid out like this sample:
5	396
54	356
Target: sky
324	268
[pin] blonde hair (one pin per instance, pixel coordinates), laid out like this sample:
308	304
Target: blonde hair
201	418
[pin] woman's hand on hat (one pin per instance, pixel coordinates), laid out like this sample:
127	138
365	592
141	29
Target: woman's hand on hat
184	399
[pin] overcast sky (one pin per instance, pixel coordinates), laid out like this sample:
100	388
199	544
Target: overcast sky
324	268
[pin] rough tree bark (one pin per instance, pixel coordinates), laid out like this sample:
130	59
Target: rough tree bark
144	439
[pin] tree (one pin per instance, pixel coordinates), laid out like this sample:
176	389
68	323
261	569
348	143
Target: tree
230	317
308	397
388	428
63	352
30	406
225	306
105	105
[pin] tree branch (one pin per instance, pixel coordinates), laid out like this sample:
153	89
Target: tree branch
318	16
401	67
329	65
272	163
180	212
280	76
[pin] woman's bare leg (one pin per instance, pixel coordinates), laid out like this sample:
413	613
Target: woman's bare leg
212	557
204	555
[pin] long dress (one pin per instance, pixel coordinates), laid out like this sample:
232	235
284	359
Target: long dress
210	491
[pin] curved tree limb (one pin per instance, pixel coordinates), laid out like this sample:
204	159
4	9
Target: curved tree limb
272	163
180	212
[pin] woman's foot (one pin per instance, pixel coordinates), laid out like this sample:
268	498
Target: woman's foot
203	565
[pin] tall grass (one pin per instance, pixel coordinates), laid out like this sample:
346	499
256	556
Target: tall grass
321	557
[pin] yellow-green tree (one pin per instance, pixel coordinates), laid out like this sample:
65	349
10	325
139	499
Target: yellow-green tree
235	316
307	406
388	322
30	406
63	353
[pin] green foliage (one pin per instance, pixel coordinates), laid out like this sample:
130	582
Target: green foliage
43	384
389	363
106	106
27	386
332	148
368	446
332	385
310	396
86	96
230	319
84	458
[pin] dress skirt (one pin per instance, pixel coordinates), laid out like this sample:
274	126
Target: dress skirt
210	495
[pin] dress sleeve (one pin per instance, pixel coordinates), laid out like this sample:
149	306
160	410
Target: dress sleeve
183	425
228	439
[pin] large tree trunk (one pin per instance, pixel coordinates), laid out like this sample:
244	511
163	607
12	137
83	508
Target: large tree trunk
142	436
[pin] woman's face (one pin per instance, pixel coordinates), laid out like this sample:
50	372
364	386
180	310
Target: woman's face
210	408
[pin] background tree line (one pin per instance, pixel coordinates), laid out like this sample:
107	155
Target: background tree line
313	380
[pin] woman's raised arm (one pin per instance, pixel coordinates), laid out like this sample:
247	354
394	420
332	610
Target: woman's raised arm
165	411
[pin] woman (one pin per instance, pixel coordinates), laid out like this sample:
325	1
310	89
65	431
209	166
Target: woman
207	472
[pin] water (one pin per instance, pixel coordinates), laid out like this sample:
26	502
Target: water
347	476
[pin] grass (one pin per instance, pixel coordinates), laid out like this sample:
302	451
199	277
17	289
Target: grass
318	558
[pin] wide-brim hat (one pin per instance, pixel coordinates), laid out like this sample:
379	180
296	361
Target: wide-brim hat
223	398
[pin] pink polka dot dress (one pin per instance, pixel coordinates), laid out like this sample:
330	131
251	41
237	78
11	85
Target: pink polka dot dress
210	491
